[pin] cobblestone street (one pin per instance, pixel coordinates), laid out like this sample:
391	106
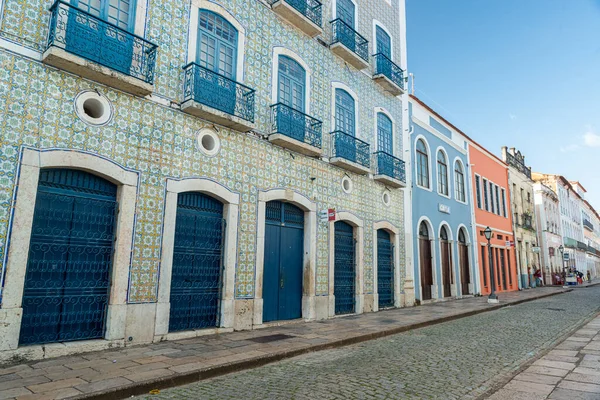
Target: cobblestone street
456	360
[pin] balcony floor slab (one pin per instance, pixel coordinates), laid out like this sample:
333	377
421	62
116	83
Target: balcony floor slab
296	18
218	117
389	181
62	59
350	165
388	84
349	56
295	145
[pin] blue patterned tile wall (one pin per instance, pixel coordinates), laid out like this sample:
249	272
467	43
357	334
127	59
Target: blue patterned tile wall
37	109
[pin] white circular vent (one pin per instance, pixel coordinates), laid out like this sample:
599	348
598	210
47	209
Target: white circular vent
347	184
93	108
209	142
386	198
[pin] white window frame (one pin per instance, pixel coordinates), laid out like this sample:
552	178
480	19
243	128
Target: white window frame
429	169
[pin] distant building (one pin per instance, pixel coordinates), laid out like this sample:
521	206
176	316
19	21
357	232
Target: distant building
549	232
493	209
441	207
523	215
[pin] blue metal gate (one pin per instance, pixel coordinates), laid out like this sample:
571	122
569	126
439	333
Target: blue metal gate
197	262
344	287
284	250
67	279
385	269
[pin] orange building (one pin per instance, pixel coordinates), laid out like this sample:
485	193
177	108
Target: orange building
491	202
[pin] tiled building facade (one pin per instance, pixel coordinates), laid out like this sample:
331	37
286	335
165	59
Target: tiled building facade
245	127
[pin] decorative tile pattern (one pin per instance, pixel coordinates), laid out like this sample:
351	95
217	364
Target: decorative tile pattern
36	109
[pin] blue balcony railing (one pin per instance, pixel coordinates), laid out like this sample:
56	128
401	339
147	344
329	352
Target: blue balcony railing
388	165
311	9
296	125
588	224
217	91
344	34
350	148
386	67
84	35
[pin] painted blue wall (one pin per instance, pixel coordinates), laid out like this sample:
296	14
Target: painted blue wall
426	203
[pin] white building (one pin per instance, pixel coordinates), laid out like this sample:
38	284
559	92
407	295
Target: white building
549	230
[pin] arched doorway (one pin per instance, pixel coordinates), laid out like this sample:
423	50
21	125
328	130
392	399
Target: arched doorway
445	255
284	252
425	262
385	269
67	280
463	252
344	289
196	279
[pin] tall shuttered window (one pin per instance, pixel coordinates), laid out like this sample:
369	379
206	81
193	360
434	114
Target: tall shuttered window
442	164
478	190
422	164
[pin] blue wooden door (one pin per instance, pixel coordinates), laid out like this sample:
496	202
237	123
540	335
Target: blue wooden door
345	118
197	262
291	80
384	134
385	269
284	257
67	279
217	52
344	287
111	44
345	10
383	41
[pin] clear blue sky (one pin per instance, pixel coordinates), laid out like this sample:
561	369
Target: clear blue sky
516	73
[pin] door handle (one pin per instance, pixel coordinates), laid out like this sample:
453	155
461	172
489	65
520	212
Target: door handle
281	283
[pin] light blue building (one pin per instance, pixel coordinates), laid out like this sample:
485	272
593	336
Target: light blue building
442	214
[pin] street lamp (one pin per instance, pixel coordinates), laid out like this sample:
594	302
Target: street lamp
492	298
561	248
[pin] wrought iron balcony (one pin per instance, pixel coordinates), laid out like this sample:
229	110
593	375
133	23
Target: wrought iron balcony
304	14
295	130
88	46
350	153
349	44
389	169
587	224
388	74
215	97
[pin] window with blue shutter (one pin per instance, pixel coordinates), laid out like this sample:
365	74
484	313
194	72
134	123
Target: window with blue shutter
292	78
384	43
345	12
384	134
217	44
117	12
345	112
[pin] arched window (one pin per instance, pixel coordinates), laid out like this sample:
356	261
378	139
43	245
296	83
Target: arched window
422	164
444	233
217	44
461	237
442	173
383	42
459	178
345	112
423	231
384	133
292	83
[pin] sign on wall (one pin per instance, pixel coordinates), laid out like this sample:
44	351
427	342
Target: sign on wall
444	208
565	256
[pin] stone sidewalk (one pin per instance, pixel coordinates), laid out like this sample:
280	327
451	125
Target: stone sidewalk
571	371
128	371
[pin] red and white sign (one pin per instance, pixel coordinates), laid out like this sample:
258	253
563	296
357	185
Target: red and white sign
331	214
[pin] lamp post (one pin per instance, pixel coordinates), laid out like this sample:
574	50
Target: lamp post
492	298
561	248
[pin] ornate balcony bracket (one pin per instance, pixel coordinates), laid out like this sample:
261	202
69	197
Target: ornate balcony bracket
349	45
306	15
388	75
85	45
295	130
389	170
350	153
216	98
